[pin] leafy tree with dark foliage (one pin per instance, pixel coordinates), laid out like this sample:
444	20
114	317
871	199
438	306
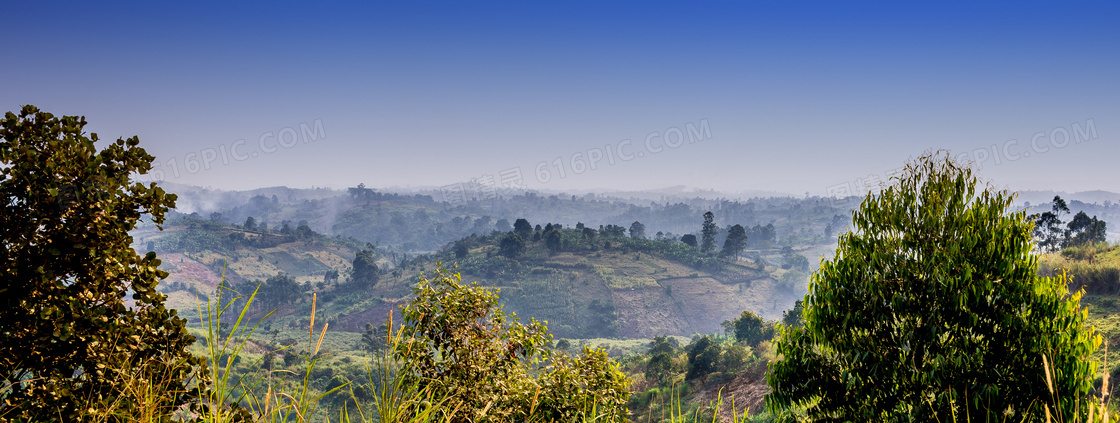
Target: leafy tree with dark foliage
589	235
69	338
511	246
365	272
612	230
708	233
689	240
1048	231
702	357
735	243
461	249
1085	230
277	290
637	230
522	228
751	329
373	338
660	365
933	308
553	240
792	317
502	225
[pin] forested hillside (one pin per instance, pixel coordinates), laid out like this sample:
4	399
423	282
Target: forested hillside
424	222
608	282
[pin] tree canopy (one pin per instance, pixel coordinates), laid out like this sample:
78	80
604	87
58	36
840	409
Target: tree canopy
1085	230
365	272
79	310
751	329
522	228
933	302
708	233
512	246
637	230
735	242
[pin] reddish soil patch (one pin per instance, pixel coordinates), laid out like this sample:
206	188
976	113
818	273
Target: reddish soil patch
186	270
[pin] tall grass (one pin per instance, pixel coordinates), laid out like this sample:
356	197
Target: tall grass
674	410
287	396
396	400
1092	267
230	399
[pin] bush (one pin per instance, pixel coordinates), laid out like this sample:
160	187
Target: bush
931	309
458	343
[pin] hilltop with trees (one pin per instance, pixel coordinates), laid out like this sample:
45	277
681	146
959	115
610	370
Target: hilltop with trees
934	306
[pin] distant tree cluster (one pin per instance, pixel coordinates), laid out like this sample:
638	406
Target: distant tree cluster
1051	235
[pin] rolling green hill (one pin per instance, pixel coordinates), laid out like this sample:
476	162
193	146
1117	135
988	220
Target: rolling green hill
585	287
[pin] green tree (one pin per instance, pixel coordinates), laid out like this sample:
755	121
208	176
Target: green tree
702	357
735	242
660	367
1085	230
461	249
589	235
458	342
277	290
69	338
373	338
689	240
1048	232
663	344
511	246
365	272
792	317
708	233
563	344
522	228
751	329
250	224
933	306
612	230
553	240
637	230
796	262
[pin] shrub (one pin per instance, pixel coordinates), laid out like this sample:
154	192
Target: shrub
459	344
932	308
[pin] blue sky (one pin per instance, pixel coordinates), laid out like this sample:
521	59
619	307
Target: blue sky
795	97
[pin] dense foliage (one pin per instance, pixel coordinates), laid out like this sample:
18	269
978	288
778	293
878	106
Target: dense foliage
932	306
460	344
80	318
1050	235
750	329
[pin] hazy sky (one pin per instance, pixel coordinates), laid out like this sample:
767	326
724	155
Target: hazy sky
783	96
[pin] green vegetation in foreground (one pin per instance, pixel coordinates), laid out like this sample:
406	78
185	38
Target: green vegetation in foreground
1096	269
957	342
71	346
933	310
